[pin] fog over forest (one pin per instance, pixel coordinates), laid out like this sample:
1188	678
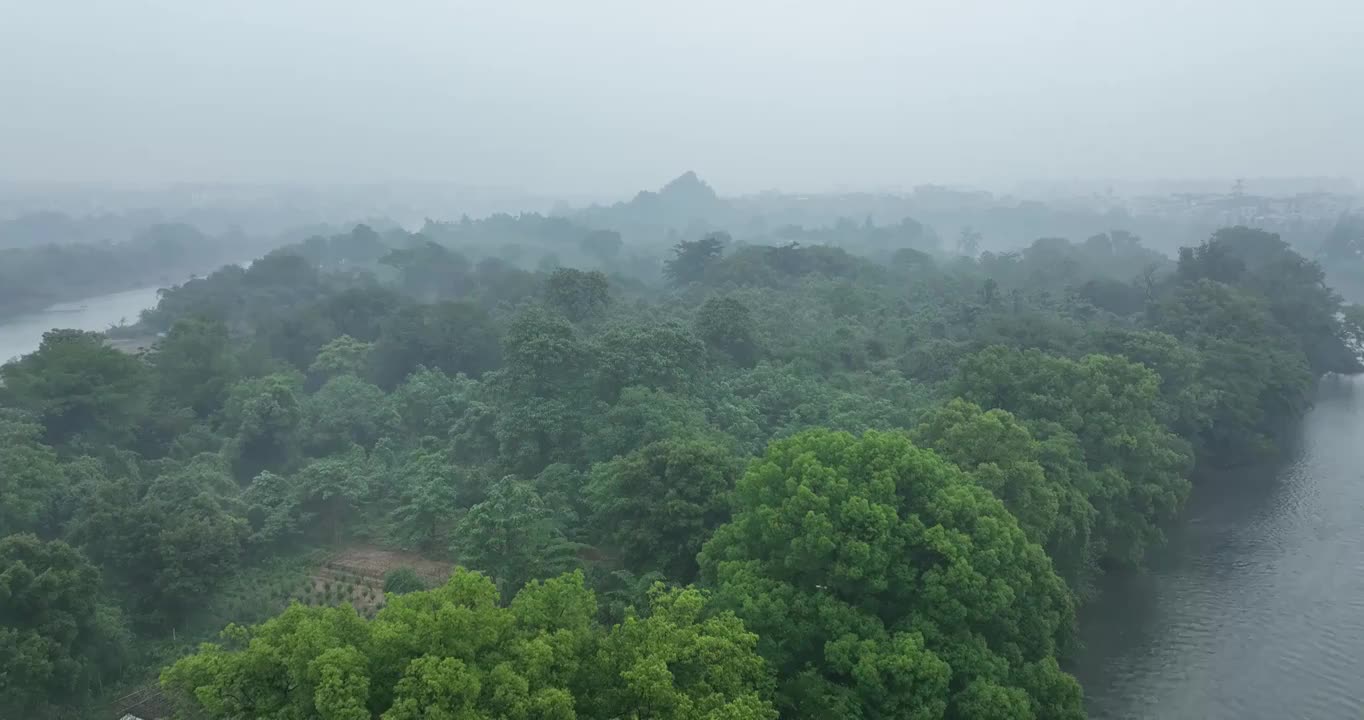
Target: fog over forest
970	360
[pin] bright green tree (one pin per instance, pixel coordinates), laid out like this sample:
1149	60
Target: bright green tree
883	582
1113	407
457	652
999	453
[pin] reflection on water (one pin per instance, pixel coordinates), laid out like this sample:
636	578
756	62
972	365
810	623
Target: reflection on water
21	335
1256	607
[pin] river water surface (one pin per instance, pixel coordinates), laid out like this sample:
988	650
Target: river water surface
20	335
1255	610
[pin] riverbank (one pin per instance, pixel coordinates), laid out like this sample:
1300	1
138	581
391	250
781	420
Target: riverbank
21	333
1254	609
55	297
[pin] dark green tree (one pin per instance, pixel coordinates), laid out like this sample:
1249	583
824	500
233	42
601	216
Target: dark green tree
262	416
727	325
77	386
693	258
604	246
656	506
58	644
195	364
32	483
454	337
513	536
166	541
346	411
578	295
660	356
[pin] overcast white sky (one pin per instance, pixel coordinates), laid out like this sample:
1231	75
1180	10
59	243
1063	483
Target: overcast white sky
611	96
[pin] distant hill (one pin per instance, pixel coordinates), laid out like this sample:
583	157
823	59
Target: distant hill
686	205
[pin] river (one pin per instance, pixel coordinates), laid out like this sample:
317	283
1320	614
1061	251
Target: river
20	335
1255	609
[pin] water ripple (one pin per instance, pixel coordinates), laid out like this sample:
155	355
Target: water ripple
1256	609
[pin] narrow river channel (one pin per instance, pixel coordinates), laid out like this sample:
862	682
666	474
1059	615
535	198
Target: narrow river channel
1255	610
20	335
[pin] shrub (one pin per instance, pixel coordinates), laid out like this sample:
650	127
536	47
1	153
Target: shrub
403	580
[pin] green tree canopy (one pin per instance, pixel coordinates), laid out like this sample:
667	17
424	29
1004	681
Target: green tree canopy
513	536
195	364
31	480
343	355
998	452
1138	469
454	337
78	386
456	652
577	294
167	540
263	415
346	411
693	258
662	356
882	582
57	643
727	325
657	505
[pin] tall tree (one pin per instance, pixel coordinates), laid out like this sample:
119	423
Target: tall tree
727	325
263	416
578	295
1113	408
31	480
78	386
882	582
513	536
57	643
657	505
693	258
1000	454
195	364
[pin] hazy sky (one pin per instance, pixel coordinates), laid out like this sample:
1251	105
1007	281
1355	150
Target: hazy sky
587	95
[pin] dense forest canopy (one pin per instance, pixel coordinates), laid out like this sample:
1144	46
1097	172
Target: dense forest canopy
840	471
